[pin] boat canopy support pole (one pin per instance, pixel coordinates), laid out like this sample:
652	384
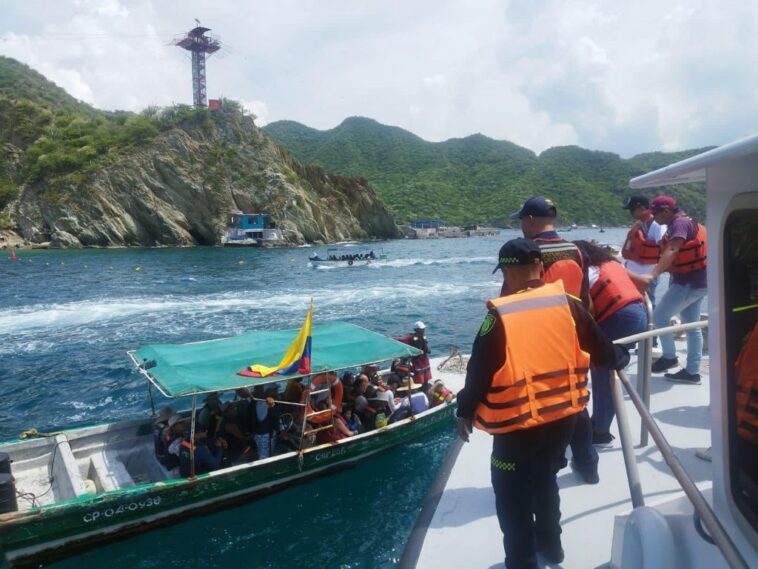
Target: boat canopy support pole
192	435
150	395
305	417
627	446
702	508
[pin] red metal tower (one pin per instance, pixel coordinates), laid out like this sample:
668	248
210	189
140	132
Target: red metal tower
199	44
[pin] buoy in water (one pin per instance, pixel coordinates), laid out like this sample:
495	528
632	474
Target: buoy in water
137	268
242	262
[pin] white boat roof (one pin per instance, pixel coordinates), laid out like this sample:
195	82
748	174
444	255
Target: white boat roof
464	531
694	169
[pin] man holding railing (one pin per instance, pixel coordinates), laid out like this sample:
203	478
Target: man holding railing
684	254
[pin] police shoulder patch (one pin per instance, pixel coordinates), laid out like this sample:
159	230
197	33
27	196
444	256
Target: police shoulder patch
487	325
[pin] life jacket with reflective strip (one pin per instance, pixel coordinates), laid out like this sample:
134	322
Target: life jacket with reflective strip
562	260
612	291
746	369
544	377
692	254
638	247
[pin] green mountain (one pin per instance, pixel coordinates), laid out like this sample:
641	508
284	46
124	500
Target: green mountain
477	179
72	175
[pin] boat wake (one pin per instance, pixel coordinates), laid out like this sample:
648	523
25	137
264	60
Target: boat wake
400	263
332	303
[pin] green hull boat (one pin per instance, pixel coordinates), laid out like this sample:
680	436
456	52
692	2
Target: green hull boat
93	484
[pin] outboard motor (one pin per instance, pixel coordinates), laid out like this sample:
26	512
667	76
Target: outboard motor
7	485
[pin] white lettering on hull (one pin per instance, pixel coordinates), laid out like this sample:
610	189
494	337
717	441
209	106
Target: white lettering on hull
95	515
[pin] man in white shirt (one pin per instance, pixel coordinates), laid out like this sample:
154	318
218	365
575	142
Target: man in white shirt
641	249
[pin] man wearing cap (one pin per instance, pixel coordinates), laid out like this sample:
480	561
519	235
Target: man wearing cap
422	369
641	250
526	383
683	254
563	260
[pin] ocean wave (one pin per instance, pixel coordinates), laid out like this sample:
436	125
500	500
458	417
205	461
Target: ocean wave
400	263
92	312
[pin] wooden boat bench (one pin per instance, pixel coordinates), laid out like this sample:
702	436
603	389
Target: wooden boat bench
109	471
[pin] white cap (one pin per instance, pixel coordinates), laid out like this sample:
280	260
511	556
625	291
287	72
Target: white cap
419	325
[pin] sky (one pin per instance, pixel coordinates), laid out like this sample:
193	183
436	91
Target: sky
625	76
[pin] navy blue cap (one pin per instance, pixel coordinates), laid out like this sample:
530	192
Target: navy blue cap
538	206
635	201
518	251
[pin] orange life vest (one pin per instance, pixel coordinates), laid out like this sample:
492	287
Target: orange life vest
638	247
544	377
746	369
562	260
325	416
692	254
613	290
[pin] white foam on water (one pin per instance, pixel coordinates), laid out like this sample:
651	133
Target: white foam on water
81	406
96	311
399	263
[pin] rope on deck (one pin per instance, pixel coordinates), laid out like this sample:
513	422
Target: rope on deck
455	362
31	433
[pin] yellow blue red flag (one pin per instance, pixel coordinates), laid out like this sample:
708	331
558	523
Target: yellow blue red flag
296	360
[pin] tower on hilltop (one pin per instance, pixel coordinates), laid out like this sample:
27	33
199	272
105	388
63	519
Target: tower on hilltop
199	44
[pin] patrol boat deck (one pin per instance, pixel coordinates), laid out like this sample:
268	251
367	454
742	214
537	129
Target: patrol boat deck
463	530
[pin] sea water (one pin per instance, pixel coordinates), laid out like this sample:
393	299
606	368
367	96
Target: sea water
67	319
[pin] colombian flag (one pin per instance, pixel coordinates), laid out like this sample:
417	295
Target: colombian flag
296	360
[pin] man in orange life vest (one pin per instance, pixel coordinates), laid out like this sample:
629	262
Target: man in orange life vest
641	249
563	260
684	254
526	389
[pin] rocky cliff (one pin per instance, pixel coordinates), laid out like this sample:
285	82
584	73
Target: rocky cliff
171	185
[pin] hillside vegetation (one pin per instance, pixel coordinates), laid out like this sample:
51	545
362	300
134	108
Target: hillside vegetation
73	175
477	179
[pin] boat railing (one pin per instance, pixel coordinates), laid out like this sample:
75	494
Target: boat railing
640	397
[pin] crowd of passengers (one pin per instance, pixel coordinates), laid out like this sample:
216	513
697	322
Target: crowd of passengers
264	423
353	257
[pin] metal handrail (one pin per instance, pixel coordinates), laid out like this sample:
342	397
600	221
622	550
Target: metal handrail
658	331
702	508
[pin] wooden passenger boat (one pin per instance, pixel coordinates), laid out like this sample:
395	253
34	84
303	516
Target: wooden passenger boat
91	484
338	257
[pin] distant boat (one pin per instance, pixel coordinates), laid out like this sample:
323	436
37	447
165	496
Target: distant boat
601	229
338	257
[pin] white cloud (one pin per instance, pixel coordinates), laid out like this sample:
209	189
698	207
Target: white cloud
626	77
259	109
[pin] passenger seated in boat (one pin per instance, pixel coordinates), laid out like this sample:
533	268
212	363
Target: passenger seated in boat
172	435
384	398
362	392
294	390
210	416
265	416
439	394
418	403
206	458
339	430
233	432
159	443
351	419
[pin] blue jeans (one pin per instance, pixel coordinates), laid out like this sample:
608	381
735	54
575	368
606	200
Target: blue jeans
686	301
632	319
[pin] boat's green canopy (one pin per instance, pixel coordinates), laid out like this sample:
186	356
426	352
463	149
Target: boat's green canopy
212	365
